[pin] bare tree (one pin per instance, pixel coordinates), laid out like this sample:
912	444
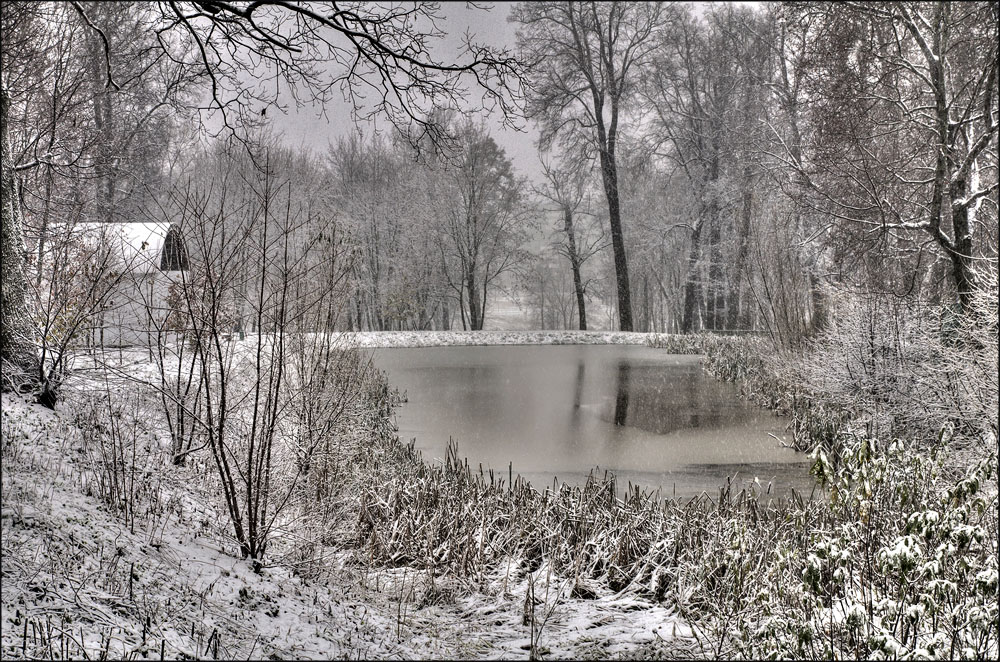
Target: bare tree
902	102
692	92
250	234
484	219
549	289
395	270
585	61
567	188
314	49
378	56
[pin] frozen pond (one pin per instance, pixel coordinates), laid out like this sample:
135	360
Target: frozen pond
557	412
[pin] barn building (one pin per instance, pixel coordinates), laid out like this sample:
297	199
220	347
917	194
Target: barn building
145	262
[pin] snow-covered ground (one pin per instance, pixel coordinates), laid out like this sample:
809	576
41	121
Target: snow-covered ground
439	338
78	581
507	313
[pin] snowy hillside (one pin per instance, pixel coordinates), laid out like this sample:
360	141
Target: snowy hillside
80	580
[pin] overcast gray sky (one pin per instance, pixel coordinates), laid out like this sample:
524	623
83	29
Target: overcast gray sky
305	128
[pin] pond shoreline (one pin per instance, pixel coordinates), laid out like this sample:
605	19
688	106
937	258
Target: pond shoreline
386	339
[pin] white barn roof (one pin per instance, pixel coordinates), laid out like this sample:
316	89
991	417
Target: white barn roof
139	245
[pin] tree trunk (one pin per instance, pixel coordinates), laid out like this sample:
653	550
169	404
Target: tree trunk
541	301
21	369
609	173
737	318
445	316
461	307
961	257
715	299
482	306
645	302
475	320
574	261
691	293
581	302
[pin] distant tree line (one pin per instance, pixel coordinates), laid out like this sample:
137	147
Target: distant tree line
111	112
722	168
752	158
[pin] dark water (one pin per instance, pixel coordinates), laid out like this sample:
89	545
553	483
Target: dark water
557	412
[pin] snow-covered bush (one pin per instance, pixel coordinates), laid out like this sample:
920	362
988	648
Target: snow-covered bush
125	458
770	376
338	404
906	368
901	560
904	567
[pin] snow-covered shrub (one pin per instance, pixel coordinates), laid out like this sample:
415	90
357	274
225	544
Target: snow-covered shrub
338	404
905	368
124	456
770	376
901	561
960	385
763	373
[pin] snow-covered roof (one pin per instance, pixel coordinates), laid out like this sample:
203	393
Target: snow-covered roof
142	247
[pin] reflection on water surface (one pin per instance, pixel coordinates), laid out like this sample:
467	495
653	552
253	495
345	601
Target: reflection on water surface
560	411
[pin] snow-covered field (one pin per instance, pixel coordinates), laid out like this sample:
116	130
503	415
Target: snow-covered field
79	581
